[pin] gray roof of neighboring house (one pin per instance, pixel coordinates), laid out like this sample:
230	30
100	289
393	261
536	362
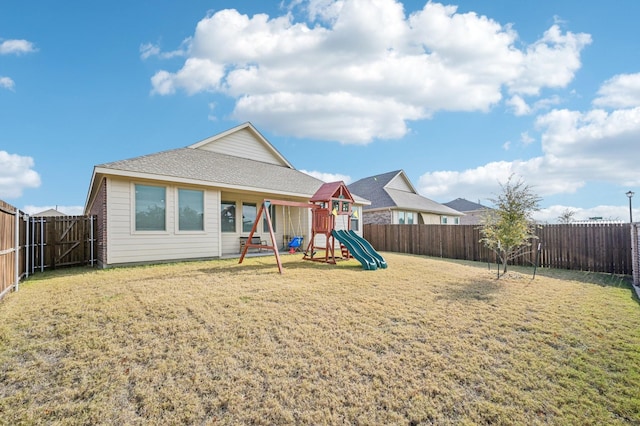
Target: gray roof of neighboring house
373	189
222	169
49	213
463	205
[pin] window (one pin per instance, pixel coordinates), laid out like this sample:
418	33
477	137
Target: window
190	210
272	213
228	216
248	216
150	208
401	219
355	214
456	220
443	220
410	218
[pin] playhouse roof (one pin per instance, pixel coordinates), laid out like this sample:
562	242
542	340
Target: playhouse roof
332	190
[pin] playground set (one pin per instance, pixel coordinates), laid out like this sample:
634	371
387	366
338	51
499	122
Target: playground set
330	201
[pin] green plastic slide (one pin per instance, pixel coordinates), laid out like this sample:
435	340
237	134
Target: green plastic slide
357	251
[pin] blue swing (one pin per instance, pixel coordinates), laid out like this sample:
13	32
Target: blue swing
295	243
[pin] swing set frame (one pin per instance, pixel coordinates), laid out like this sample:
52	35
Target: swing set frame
264	209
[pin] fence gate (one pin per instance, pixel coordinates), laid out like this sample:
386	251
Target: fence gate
61	241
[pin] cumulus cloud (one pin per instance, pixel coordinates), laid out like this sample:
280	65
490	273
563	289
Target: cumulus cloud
550	62
7	83
483	182
16	47
16	174
621	91
328	177
148	50
364	64
576	147
13	47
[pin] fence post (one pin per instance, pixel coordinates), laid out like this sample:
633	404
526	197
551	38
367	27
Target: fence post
635	256
17	248
42	244
26	245
91	241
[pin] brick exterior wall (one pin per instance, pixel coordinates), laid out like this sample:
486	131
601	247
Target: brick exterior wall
382	217
99	209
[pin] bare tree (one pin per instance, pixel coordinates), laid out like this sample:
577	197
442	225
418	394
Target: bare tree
567	216
508	229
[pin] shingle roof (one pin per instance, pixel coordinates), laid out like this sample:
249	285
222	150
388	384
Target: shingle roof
462	205
328	191
373	189
216	168
412	201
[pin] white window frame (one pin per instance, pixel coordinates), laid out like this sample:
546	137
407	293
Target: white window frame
177	212
133	212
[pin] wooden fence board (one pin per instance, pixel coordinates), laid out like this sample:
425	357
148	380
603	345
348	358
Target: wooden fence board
588	247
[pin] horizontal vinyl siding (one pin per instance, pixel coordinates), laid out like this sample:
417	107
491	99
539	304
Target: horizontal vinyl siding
127	246
243	144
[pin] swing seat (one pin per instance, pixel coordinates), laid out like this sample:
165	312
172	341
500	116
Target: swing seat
295	243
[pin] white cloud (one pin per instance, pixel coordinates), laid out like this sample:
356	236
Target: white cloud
550	62
368	66
16	47
593	143
621	91
328	177
518	105
7	83
148	50
483	182
16	174
613	213
526	139
577	147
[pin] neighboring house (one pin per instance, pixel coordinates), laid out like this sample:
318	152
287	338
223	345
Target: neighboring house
394	200
473	211
48	213
196	202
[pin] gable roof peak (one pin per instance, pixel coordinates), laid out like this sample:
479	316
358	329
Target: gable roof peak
254	132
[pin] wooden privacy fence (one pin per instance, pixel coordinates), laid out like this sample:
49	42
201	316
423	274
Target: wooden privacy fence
12	233
585	247
32	244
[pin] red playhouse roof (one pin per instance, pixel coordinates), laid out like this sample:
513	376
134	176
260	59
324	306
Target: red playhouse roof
332	191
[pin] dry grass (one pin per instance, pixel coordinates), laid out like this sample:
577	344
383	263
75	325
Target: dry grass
423	342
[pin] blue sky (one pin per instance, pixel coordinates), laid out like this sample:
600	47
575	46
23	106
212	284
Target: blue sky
459	95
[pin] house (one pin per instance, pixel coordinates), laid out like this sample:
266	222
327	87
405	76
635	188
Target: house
394	200
472	211
49	213
197	202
